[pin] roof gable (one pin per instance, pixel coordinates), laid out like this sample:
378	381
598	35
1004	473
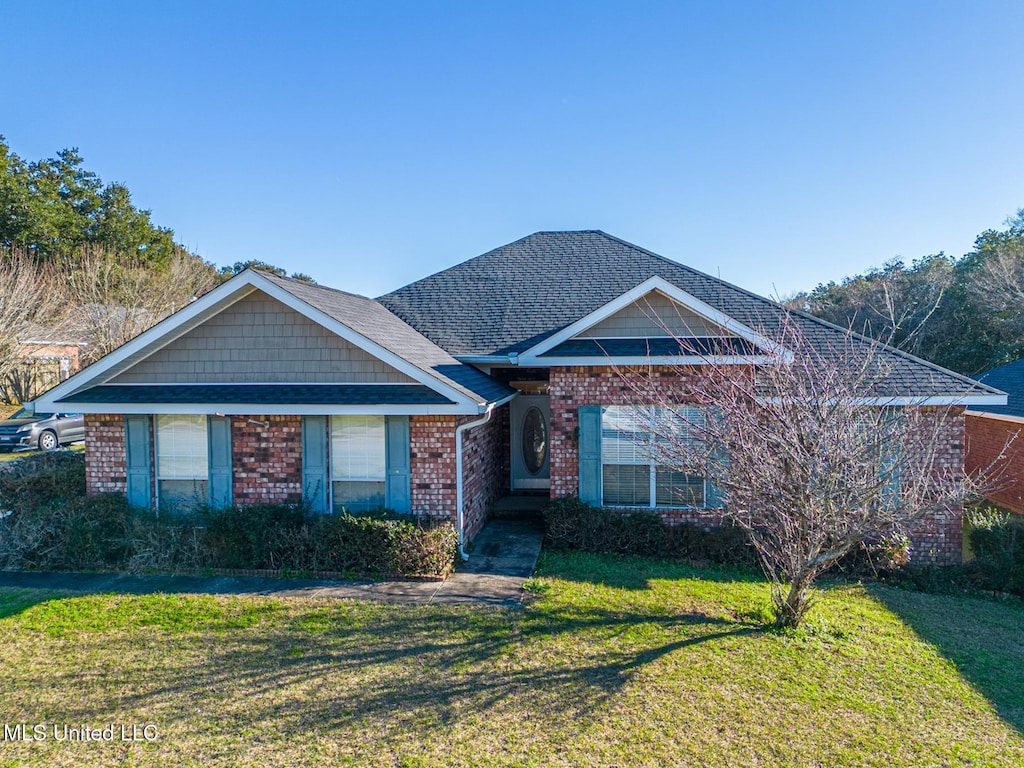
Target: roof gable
358	321
712	320
260	340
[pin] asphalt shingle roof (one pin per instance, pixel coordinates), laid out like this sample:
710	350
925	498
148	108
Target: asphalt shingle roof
262	394
1010	379
375	322
513	297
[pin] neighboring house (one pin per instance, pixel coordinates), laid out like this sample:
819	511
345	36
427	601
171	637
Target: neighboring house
496	376
45	359
995	437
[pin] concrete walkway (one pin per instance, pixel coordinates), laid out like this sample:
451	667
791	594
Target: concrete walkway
504	555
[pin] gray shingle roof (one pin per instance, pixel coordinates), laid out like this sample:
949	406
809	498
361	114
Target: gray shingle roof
1010	379
513	297
375	322
262	394
651	347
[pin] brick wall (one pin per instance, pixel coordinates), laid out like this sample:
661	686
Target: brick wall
267	460
432	468
936	538
432	465
484	478
575	387
993	450
106	469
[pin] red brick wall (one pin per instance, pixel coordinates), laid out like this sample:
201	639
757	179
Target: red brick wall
106	468
936	538
432	468
484	479
267	460
990	452
574	387
432	465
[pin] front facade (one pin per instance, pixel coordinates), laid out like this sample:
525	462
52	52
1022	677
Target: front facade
500	375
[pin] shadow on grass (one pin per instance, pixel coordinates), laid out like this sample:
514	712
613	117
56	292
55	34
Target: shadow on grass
14	600
984	639
421	667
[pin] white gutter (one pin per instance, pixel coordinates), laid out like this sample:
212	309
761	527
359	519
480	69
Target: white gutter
460	512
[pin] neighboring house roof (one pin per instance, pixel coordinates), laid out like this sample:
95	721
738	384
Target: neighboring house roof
511	299
1010	379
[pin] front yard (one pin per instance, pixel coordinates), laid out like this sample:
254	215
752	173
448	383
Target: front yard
612	662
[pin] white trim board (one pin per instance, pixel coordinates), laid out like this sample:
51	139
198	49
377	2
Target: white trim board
531	357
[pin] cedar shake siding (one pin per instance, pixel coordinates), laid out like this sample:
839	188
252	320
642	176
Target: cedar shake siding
260	340
653	316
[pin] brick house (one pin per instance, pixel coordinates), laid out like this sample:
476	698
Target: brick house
495	376
995	437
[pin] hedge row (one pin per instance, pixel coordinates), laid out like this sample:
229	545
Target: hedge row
573	524
48	522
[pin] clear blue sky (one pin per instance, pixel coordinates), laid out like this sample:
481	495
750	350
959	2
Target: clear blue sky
777	144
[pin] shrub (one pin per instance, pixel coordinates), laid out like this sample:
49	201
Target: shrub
48	522
997	540
573	524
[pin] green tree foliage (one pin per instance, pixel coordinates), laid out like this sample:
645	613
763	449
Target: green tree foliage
54	206
241	266
966	314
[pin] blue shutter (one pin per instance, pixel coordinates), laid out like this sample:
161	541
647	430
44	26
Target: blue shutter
314	462
891	461
590	453
219	429
140	475
397	494
715	496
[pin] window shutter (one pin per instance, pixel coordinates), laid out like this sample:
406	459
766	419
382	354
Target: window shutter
220	462
715	498
314	462
136	438
397	495
589	444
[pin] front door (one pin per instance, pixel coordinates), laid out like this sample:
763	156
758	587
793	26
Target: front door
530	442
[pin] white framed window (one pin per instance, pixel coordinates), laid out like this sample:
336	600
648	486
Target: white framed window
631	475
358	462
182	461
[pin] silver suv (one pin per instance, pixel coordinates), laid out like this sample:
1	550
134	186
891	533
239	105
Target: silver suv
28	431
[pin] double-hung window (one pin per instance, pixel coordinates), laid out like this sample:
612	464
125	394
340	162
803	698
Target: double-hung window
358	462
182	461
633	458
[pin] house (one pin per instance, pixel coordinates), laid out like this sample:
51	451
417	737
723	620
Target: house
495	376
995	437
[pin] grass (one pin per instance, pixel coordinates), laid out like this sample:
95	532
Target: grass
613	662
9	456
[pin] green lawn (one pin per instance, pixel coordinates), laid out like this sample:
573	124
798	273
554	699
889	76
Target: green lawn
616	662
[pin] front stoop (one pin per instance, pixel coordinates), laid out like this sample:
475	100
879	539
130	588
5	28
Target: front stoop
505	547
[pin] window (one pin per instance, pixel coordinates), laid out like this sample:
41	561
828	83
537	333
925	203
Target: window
358	470
182	461
630	473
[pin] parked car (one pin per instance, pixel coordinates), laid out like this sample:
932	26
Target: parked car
29	431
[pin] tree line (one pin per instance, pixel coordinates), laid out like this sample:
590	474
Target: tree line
81	264
965	313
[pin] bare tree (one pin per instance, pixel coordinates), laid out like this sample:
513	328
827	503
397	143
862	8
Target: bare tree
810	452
112	299
29	301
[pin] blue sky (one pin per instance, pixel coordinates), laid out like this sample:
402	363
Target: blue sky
776	144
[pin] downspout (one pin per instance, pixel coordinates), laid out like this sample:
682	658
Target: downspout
461	523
